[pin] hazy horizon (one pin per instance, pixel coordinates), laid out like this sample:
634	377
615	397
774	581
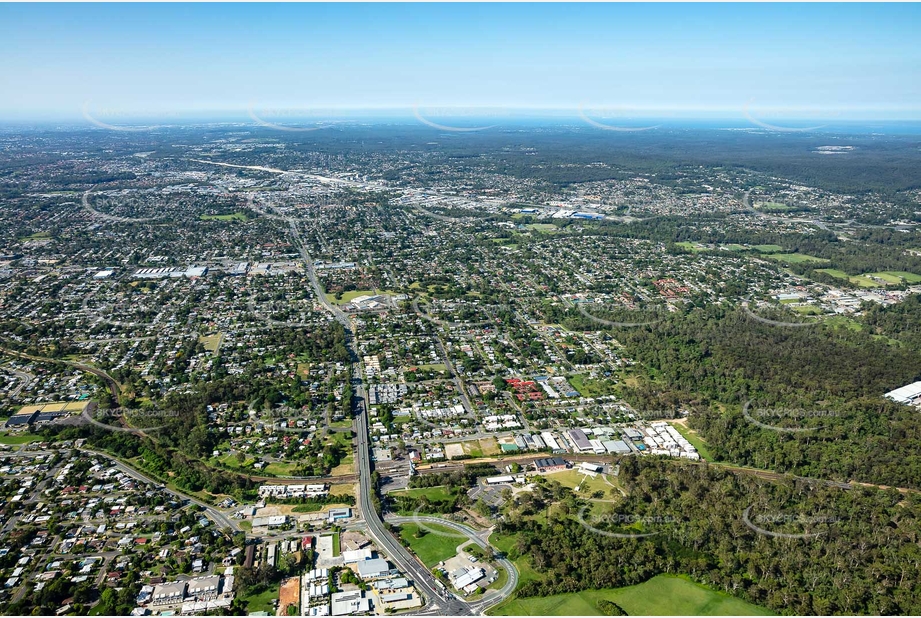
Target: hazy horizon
643	60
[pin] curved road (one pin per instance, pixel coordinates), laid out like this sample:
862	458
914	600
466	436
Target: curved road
493	597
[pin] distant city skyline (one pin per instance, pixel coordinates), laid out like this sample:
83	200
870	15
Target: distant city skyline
828	62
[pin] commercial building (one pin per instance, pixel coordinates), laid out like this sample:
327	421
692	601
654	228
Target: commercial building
462	578
909	395
269	522
579	440
550	464
617	447
351	602
373	568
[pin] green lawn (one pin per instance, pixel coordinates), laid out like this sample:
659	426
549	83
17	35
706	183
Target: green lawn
277	468
263	602
768	248
432	548
349	296
543	227
690	246
435	494
15	439
433	367
588	484
796	258
662	595
861	280
237	216
505	544
588	387
898	275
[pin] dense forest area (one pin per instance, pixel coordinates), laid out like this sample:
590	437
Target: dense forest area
816	391
849	551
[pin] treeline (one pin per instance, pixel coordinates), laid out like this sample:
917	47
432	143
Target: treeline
326	343
821	386
466	477
856	553
319	501
456	499
92	178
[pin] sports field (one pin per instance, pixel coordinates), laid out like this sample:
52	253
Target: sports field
237	216
662	595
796	258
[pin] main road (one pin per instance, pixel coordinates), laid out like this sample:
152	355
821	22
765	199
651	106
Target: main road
445	602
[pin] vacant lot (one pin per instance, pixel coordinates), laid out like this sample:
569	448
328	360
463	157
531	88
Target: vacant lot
432	547
289	594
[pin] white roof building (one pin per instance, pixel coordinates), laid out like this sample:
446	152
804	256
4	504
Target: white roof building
907	394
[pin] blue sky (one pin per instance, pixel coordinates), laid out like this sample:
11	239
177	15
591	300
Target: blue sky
855	59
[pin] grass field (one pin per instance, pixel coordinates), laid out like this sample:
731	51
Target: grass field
841	321
435	367
264	601
432	548
349	296
898	275
506	544
237	216
767	248
587	484
36	236
861	280
589	387
690	246
543	227
212	343
15	439
662	595
435	494
277	468
796	258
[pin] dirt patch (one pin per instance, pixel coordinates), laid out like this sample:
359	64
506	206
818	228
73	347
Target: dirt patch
289	594
343	469
342	489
